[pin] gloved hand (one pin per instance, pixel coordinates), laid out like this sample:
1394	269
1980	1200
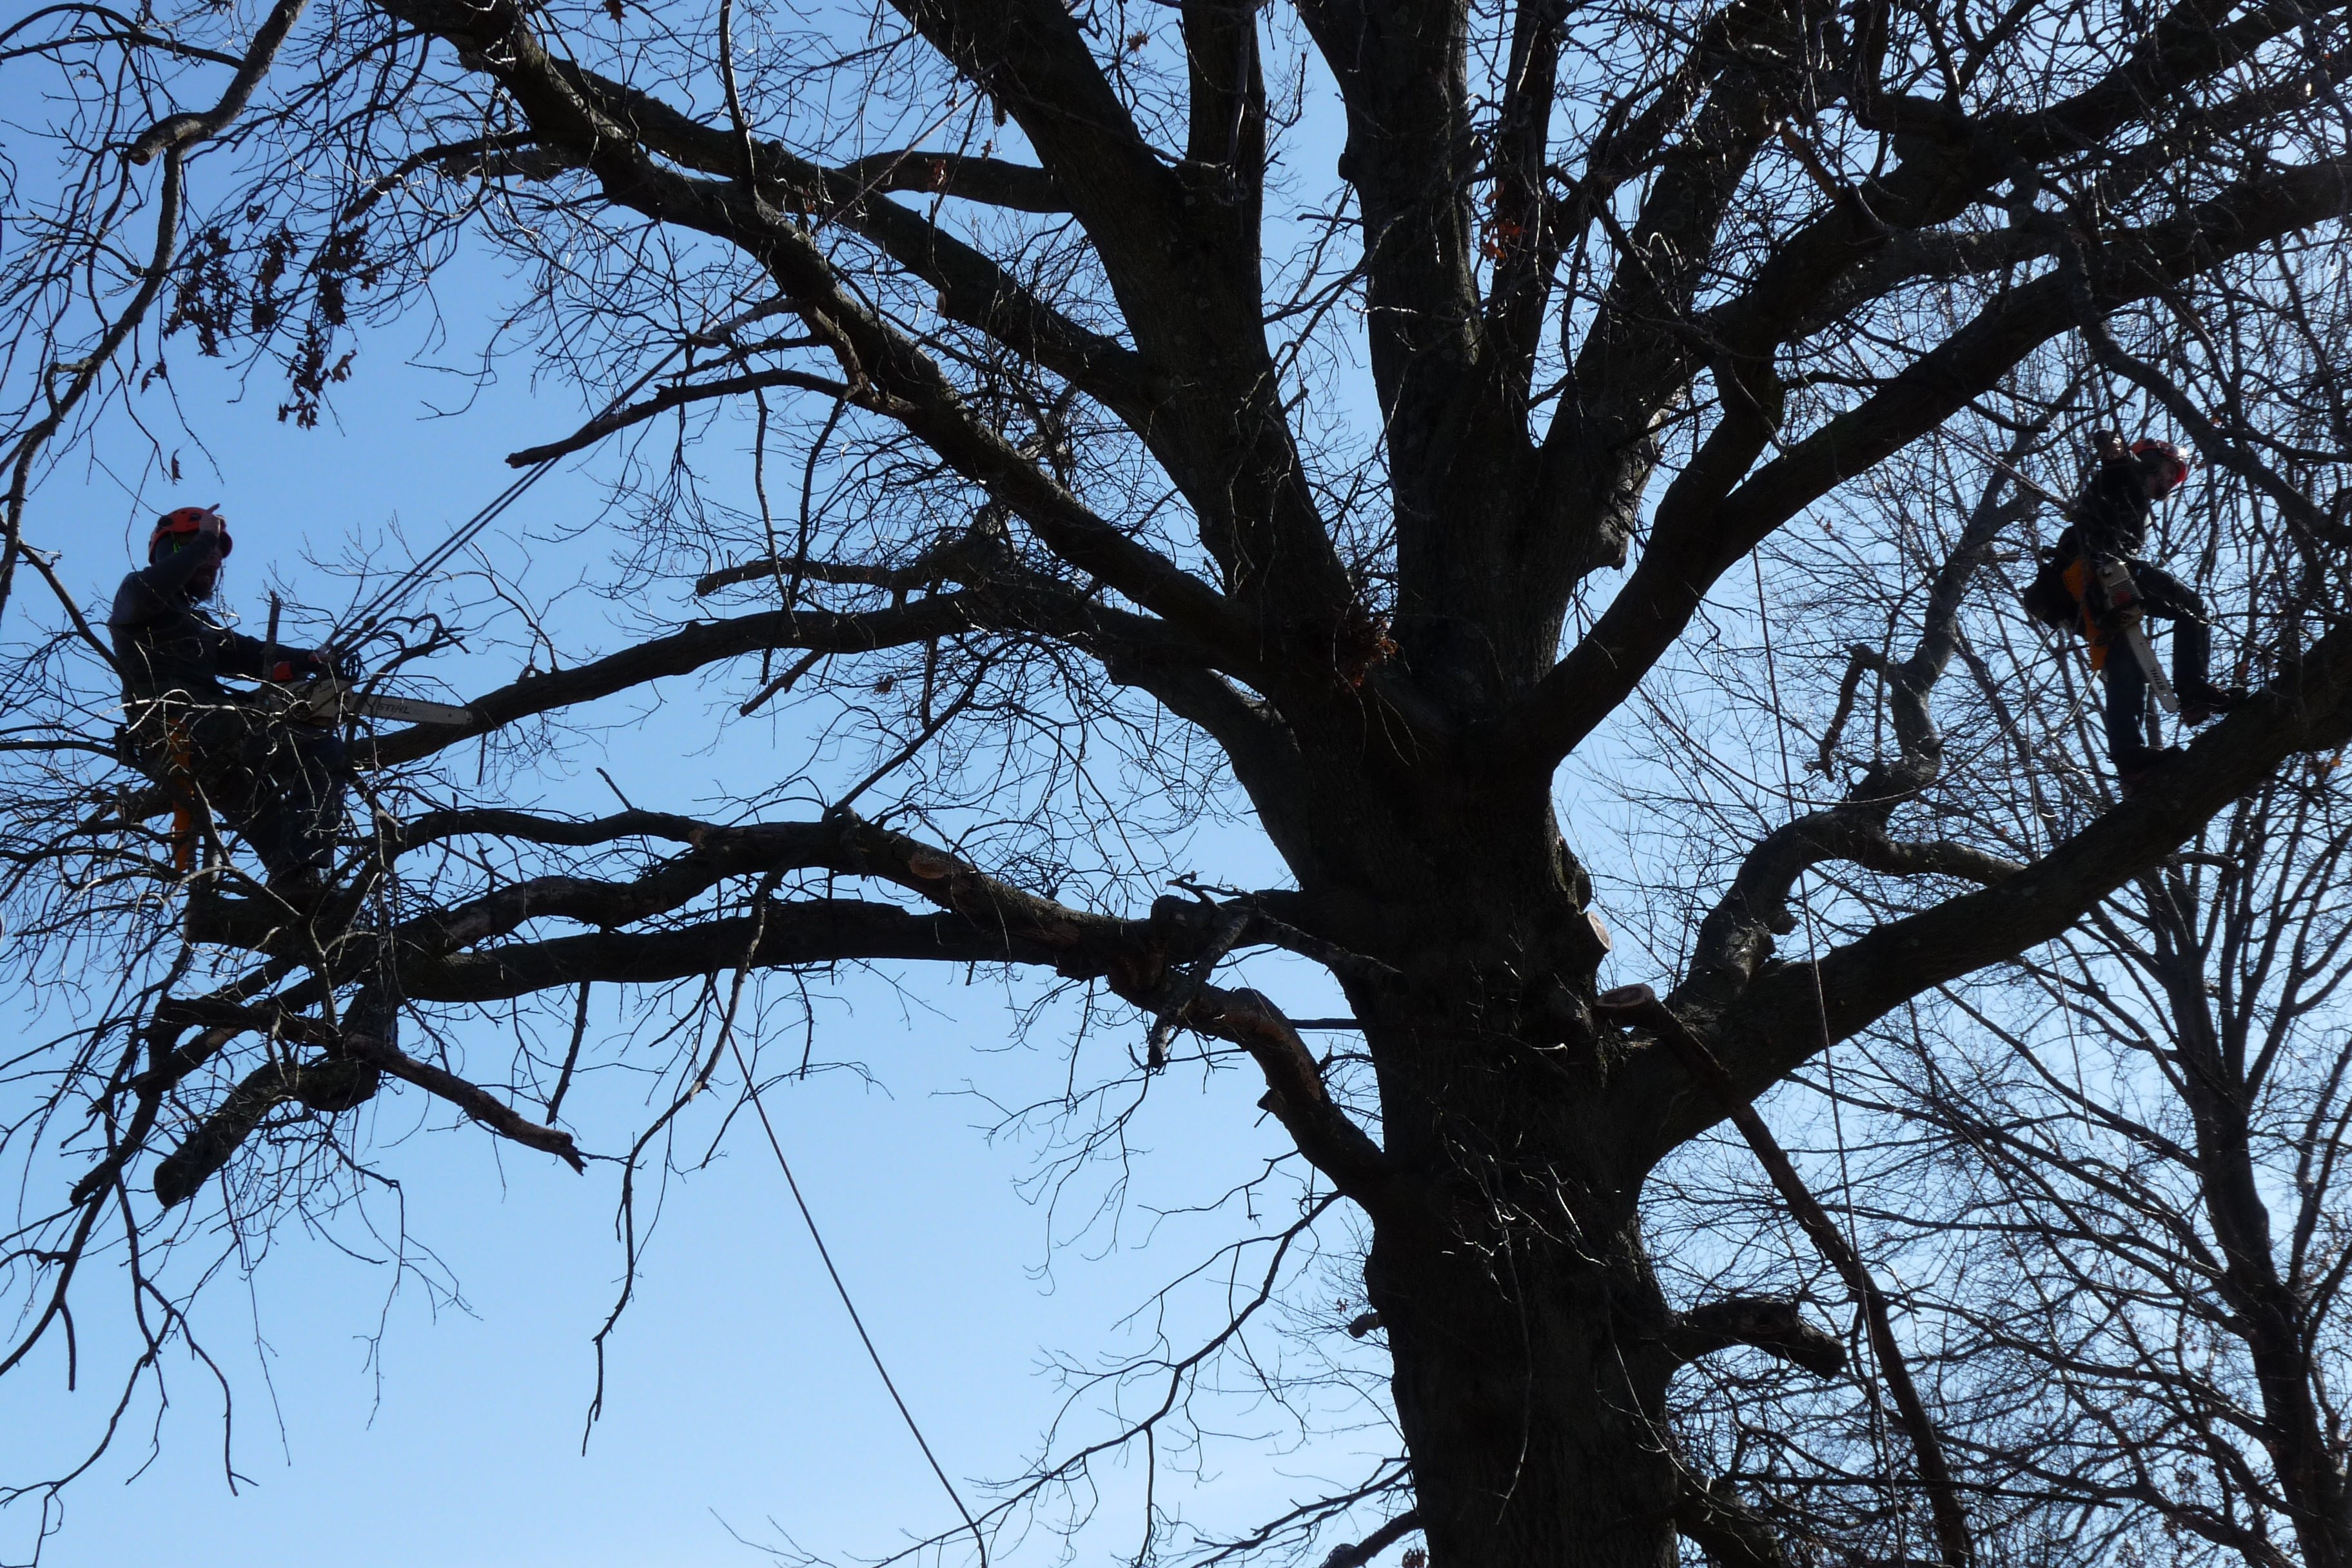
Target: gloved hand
301	667
345	667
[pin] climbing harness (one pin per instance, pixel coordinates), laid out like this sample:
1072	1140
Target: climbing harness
2111	587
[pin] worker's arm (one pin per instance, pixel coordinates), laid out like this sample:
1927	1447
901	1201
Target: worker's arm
259	660
155	591
2113	514
242	655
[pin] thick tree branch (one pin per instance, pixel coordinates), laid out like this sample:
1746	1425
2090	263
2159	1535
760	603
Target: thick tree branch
980	919
473	1100
697	643
1004	926
989	181
1134	643
343	1079
1761	1322
1699	534
805	932
180	132
1296	1094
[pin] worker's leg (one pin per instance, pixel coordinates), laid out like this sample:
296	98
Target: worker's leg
2127	744
276	785
310	774
2169	598
373	1012
227	758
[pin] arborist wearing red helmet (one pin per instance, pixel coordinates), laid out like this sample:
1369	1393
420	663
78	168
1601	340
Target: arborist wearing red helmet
279	785
2097	578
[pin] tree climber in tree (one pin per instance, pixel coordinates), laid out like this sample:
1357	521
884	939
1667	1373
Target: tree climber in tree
278	784
2110	529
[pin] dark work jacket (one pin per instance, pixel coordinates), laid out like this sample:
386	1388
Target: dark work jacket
2111	515
165	644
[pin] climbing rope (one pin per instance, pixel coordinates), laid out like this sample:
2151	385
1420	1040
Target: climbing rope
751	1086
363	621
1820	1002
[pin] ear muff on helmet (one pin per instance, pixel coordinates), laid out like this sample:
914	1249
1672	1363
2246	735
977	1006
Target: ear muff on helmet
2164	458
182	524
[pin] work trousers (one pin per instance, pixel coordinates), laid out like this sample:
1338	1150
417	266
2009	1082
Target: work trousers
2166	597
278	785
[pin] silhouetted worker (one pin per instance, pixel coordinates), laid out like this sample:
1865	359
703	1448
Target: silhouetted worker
2110	527
278	784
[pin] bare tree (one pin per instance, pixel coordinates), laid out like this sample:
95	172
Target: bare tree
1049	462
2186	1339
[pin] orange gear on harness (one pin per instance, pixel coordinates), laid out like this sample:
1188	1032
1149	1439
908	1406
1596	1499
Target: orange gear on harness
188	814
2077	578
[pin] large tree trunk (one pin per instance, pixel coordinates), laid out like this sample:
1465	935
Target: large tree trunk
1530	1373
1527	1328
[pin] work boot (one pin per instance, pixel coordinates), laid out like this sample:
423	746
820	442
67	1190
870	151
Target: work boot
2133	768
2199	703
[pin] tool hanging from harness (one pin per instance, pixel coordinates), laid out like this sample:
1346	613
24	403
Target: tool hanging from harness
2109	608
188	816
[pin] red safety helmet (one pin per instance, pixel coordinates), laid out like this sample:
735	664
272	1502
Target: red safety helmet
186	519
2163	457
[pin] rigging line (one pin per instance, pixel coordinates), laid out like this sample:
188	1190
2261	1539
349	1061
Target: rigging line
369	617
372	615
365	619
751	1086
1821	1001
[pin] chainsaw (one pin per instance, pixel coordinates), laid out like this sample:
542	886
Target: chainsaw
2122	595
328	700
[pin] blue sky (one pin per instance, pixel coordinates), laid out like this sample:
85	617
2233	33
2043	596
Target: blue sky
737	1389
